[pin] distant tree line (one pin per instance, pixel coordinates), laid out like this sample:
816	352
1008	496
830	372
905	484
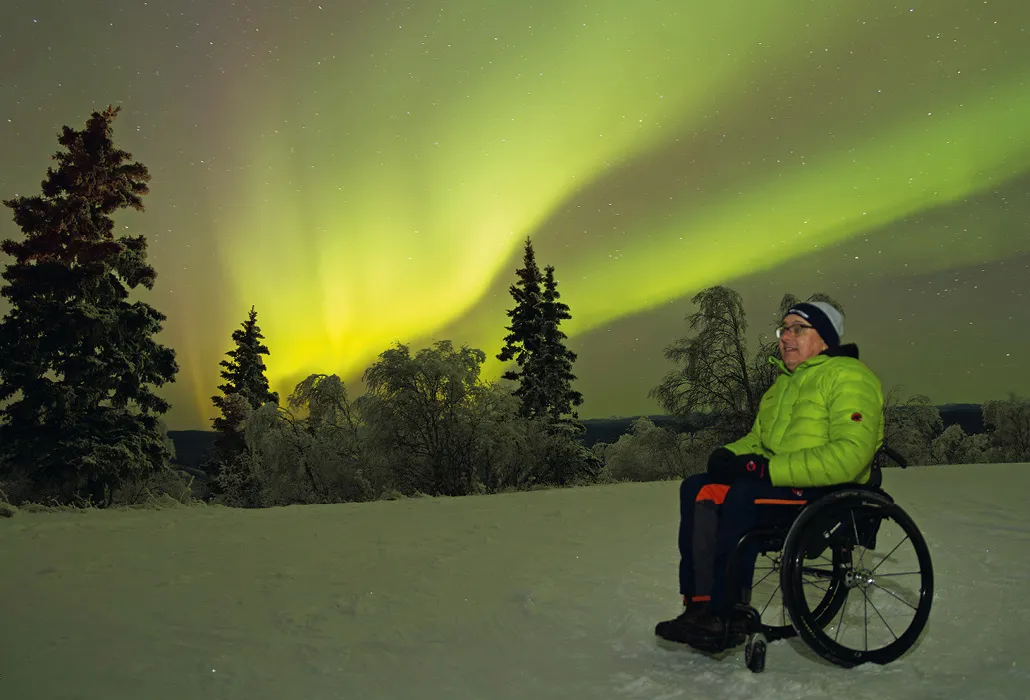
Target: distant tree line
80	422
426	424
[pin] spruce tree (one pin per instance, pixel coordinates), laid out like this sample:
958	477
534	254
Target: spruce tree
553	367
244	375
525	335
78	359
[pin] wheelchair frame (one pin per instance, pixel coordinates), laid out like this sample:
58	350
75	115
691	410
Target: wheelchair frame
806	623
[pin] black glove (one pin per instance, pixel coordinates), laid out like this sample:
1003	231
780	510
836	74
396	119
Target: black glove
718	459
728	469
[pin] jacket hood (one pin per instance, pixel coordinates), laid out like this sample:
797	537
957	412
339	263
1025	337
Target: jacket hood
846	350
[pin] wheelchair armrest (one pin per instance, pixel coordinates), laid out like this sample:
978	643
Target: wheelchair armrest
895	455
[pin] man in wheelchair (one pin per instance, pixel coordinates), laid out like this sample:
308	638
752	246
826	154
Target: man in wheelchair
818	426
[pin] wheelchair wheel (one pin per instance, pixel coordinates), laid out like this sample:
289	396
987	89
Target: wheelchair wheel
881	564
823	588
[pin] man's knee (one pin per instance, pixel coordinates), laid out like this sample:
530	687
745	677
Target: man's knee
691	485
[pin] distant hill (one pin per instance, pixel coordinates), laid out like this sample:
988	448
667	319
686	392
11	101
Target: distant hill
611	429
967	415
193	447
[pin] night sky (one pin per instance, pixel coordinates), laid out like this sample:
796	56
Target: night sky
367	172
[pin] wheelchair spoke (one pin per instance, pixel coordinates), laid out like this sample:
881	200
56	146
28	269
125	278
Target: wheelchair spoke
816	584
888	554
759	581
887	624
865	615
820	573
894	595
903	573
769	602
843	611
858	542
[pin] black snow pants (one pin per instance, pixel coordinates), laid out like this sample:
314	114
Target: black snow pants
713	518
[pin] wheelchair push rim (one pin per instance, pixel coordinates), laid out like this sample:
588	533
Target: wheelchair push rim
882	566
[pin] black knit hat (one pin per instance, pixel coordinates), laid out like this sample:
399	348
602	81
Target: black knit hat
827	321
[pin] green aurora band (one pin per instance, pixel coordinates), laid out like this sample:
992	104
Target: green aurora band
396	160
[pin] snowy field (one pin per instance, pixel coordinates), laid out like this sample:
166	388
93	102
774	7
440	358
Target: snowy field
550	594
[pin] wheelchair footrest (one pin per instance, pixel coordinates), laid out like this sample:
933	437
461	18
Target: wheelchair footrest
751	619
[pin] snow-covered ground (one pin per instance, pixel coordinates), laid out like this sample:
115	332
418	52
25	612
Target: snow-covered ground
550	594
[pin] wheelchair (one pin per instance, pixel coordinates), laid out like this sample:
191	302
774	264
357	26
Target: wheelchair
851	576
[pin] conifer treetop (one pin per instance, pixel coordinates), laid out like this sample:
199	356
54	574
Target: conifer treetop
536	343
93	180
244	371
524	331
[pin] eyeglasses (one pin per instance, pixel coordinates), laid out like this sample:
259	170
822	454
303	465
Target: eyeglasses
795	329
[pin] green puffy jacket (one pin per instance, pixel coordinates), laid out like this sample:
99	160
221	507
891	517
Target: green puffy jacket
821	424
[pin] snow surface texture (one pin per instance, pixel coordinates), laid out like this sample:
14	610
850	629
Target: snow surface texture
549	594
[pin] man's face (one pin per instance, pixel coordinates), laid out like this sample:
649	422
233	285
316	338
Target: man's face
795	349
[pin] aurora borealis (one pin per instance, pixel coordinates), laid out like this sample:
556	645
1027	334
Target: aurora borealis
366	172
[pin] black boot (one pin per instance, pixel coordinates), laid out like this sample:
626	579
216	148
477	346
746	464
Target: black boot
699	628
715	633
680	629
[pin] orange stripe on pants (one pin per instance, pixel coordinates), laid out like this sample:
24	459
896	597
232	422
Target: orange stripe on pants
713	492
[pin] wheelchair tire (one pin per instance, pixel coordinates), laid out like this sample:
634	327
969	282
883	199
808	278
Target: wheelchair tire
815	521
